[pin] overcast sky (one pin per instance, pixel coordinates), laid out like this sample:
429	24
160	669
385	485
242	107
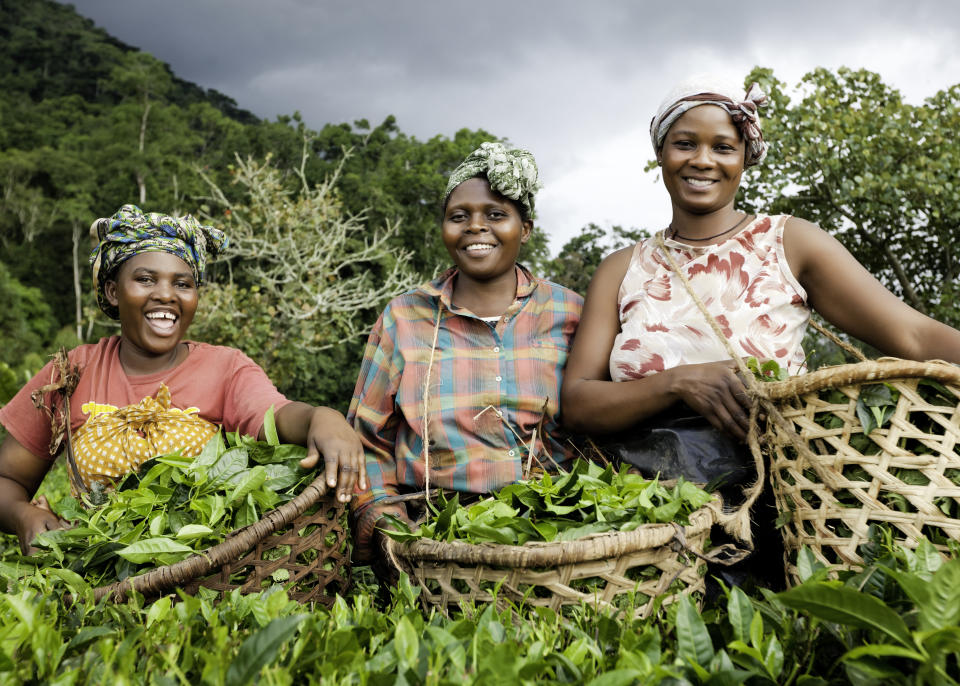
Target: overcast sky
575	82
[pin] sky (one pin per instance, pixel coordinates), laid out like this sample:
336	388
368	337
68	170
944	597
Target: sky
574	82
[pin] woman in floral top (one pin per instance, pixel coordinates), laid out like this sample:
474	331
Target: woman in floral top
644	350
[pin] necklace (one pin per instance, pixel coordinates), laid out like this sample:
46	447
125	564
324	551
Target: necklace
708	238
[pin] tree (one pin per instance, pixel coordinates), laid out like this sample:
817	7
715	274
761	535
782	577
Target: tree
579	258
301	279
878	173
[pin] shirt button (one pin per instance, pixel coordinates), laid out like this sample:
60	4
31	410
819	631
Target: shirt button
512	453
499	378
496	349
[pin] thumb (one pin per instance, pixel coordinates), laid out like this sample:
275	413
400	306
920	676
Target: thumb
43	503
310	461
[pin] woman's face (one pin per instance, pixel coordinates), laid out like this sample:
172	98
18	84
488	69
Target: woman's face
702	160
483	231
156	295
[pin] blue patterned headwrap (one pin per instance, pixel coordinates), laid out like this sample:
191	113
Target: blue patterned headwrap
131	231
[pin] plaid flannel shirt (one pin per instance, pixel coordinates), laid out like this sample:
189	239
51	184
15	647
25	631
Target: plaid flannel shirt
512	367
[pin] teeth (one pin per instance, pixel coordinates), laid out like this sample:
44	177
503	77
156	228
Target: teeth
161	315
476	247
700	183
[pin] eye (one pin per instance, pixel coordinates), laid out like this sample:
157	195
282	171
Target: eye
456	216
184	284
723	147
497	214
143	279
683	144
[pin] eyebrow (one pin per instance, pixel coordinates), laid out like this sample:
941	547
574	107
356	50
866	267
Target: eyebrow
153	272
721	136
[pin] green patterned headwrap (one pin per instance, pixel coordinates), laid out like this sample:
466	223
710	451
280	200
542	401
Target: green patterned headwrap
511	172
131	231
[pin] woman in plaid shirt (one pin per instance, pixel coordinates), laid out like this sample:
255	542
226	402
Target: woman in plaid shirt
460	382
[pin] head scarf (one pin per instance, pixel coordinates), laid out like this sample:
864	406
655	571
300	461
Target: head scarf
511	172
713	90
130	232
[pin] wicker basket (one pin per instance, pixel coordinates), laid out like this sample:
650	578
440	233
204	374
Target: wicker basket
303	544
834	491
594	569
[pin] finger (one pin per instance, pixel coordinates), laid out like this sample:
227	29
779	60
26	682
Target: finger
42	503
348	479
310	461
362	459
721	419
331	464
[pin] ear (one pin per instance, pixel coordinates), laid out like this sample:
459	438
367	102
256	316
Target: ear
527	230
110	292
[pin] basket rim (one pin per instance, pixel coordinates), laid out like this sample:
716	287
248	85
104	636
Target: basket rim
545	554
238	542
884	369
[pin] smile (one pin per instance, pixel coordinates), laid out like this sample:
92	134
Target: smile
162	322
479	248
699	183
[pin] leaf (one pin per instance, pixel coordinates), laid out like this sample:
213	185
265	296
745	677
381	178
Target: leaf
406	643
617	677
693	640
260	649
270	428
229	464
739	613
254	479
847	606
882	650
866	418
192	531
158	610
148	549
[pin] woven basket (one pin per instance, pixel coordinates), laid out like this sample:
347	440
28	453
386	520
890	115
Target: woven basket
834	491
302	544
594	570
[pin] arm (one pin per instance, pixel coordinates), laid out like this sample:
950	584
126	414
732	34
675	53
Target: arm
864	308
325	432
21	473
591	402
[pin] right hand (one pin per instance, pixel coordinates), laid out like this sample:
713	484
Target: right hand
716	391
34	518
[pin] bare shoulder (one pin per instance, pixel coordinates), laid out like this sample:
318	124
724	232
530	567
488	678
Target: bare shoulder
612	270
804	242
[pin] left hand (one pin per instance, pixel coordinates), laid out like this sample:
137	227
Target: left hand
344	461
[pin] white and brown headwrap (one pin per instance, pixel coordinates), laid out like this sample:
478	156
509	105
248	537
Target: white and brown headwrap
713	90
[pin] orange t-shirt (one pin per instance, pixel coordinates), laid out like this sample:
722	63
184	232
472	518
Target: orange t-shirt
220	384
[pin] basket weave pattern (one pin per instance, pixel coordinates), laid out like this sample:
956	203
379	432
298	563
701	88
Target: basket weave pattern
835	491
305	540
553	574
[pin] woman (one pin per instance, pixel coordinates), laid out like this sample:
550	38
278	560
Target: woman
646	360
147	269
459	387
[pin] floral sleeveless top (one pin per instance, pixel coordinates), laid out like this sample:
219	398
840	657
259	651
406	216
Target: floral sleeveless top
744	282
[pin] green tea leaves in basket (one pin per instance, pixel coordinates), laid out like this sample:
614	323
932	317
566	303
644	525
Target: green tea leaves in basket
172	508
589	499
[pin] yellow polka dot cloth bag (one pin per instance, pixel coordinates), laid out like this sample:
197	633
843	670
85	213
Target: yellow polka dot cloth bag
111	444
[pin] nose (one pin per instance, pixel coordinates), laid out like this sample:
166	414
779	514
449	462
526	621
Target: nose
702	156
162	290
478	222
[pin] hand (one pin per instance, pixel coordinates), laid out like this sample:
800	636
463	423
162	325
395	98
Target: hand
344	461
717	392
33	519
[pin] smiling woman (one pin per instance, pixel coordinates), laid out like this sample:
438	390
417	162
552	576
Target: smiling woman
149	391
460	382
647	368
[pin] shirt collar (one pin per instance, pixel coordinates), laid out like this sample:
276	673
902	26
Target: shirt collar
442	286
